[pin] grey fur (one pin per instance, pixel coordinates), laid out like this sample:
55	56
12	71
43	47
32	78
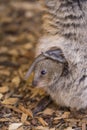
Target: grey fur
65	27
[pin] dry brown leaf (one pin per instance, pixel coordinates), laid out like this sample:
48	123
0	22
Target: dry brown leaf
16	81
13	108
52	129
4	119
21	128
10	101
14	126
26	111
69	128
42	121
48	111
27	46
13	52
57	118
3	49
11	39
4	89
1	95
36	91
24	117
21	73
6	72
66	115
41	128
6	19
30	36
29	14
73	120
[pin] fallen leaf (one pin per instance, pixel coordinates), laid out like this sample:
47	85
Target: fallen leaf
29	14
13	52
52	129
26	111
41	128
4	119
48	111
27	46
10	101
6	72
1	95
24	117
4	89
66	115
13	108
16	81
36	91
69	128
42	121
14	126
12	39
20	128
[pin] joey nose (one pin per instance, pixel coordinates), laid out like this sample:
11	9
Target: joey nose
34	83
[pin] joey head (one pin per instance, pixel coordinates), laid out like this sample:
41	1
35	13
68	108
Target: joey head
47	72
48	67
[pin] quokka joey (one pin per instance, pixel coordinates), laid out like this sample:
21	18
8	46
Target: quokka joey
60	66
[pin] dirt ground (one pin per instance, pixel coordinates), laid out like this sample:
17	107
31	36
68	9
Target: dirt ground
20	29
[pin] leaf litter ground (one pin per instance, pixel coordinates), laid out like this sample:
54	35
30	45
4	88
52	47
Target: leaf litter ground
20	29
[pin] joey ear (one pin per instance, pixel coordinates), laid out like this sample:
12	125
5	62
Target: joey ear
55	54
30	70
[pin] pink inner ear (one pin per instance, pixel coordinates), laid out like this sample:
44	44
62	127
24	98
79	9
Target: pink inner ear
55	54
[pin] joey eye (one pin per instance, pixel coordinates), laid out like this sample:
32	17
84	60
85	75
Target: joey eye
43	72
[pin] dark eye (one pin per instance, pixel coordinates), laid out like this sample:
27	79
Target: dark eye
43	72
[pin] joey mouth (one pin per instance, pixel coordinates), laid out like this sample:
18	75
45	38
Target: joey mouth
38	84
46	67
